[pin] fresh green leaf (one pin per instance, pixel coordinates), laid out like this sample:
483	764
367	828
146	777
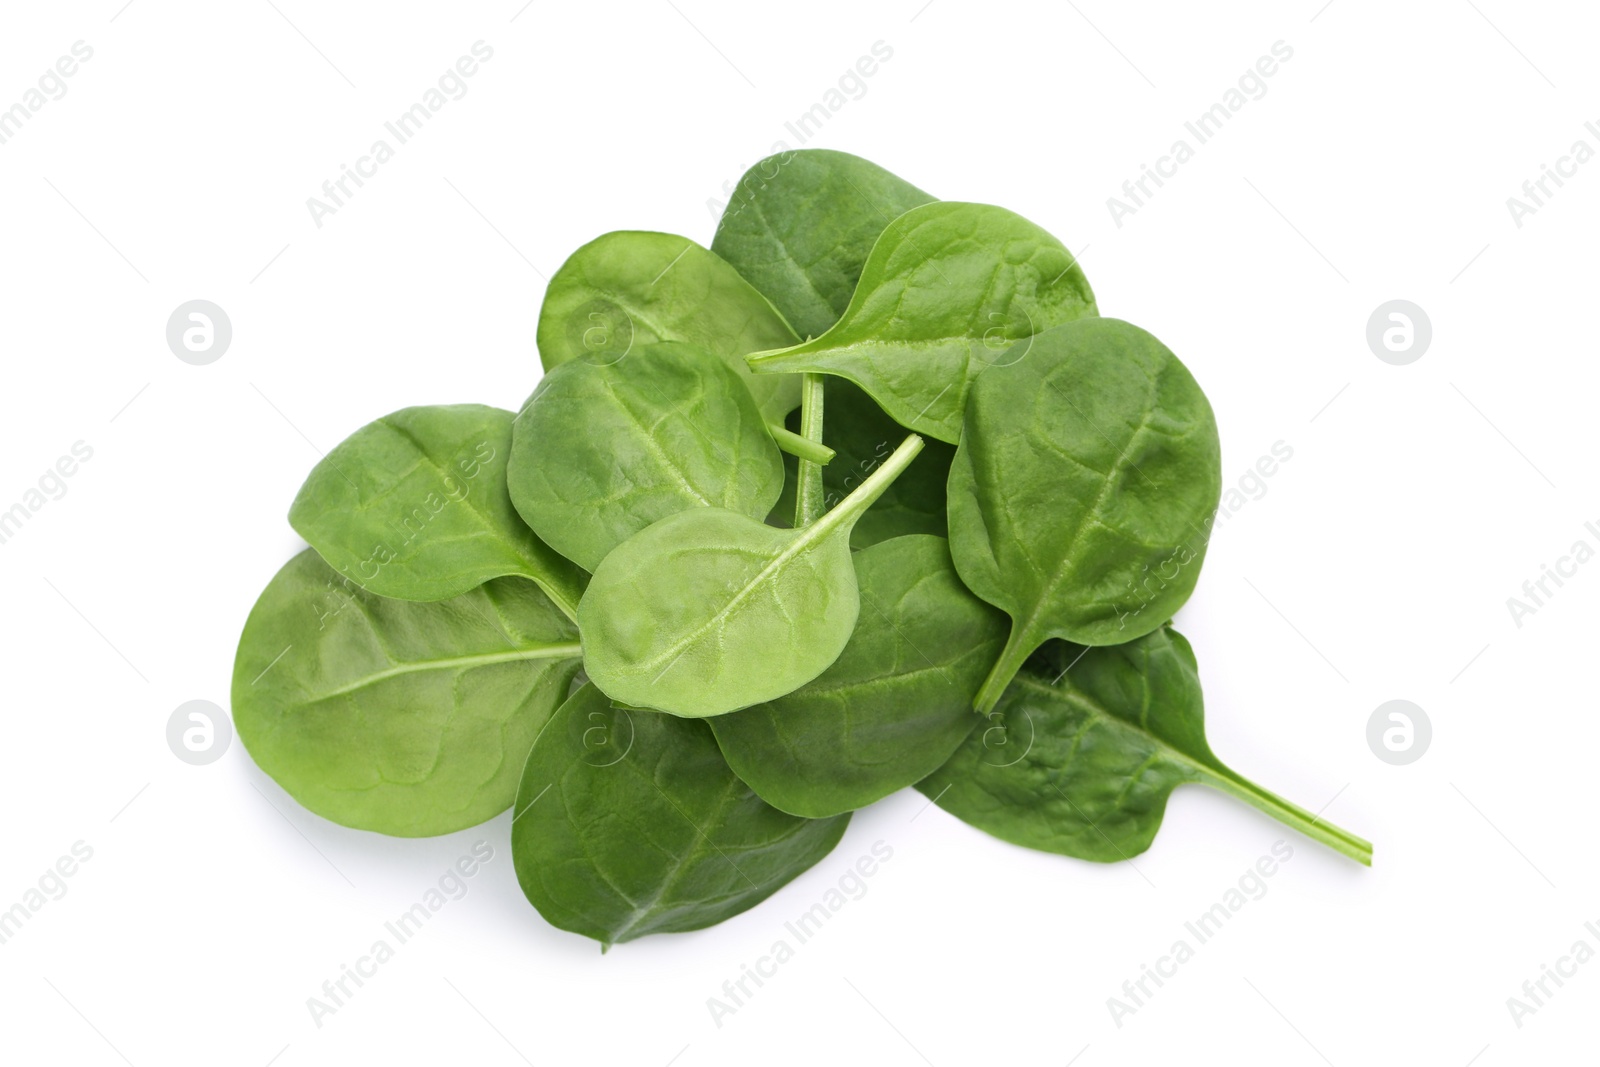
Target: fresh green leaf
1082	494
945	292
632	288
1082	764
893	707
630	823
800	225
602	450
406	718
708	611
414	506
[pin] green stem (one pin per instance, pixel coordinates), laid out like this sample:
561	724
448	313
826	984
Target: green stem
810	497
1005	668
864	495
773	359
795	445
1293	815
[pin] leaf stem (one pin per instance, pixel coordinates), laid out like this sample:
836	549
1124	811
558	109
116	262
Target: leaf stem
792	443
810	497
864	495
772	360
1290	814
1005	668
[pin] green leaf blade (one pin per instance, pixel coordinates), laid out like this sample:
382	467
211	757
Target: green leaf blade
892	708
630	823
708	611
602	450
801	224
410	719
946	290
1082	494
1083	763
414	506
631	288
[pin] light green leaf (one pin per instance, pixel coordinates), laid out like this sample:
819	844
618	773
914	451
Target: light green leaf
414	506
602	450
407	718
632	287
708	611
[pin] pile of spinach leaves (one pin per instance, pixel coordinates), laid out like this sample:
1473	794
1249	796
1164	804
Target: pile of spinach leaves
837	506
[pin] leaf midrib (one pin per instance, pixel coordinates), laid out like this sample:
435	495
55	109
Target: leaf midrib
1068	565
693	856
563	650
666	462
1200	770
810	537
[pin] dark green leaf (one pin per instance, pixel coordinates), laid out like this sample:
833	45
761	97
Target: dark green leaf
630	823
1083	764
1082	494
800	225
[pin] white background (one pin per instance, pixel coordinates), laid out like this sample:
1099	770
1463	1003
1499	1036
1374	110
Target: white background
1376	566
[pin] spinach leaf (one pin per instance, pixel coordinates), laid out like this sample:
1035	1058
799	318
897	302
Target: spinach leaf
405	718
708	610
800	225
944	293
1083	764
630	823
414	506
1082	493
893	707
631	288
602	450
